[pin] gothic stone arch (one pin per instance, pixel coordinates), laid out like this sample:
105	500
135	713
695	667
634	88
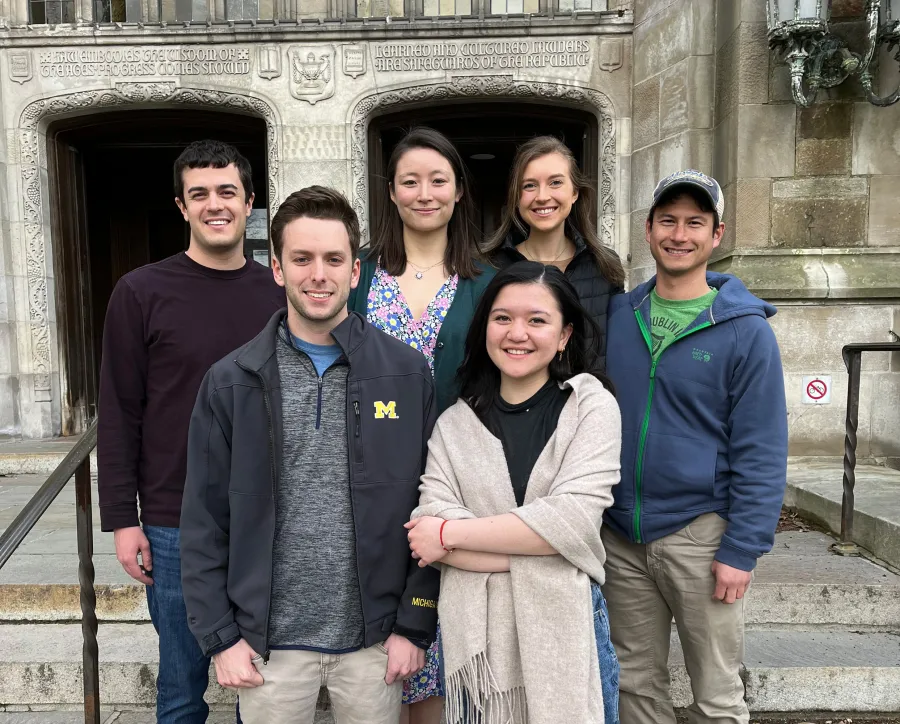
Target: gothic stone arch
489	87
31	140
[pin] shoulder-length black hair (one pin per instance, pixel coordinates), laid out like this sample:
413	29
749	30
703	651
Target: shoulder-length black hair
478	376
462	235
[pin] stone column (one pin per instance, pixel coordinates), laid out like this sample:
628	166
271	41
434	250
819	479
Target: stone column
672	104
812	224
9	368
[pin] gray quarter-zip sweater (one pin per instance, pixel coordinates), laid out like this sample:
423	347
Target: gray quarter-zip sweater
316	600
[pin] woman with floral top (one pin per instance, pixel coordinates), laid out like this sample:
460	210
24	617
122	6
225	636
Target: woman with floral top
420	282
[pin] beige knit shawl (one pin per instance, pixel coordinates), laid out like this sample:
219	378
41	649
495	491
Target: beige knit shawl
519	647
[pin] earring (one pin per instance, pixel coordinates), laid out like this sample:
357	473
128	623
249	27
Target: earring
560	354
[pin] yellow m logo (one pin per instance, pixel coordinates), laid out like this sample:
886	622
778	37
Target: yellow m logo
383	410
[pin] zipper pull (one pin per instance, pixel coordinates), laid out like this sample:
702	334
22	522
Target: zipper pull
356	411
266	658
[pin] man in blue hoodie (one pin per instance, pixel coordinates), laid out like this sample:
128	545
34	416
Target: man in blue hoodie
704	461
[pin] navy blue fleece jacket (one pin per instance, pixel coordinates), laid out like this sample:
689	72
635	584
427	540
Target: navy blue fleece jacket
704	428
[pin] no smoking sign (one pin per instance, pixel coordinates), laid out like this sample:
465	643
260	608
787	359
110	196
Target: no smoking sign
816	389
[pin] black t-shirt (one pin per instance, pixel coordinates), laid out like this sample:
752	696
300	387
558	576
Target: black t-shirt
524	430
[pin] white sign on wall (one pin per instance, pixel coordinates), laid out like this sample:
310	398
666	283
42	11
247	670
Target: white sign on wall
816	390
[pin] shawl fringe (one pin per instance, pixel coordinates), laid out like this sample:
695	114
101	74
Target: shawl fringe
473	696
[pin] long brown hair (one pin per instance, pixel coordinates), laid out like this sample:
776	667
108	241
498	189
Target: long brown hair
584	221
462	247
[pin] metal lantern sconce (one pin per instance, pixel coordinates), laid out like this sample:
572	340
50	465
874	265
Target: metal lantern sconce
798	31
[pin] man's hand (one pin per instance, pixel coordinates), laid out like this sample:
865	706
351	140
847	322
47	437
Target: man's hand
731	583
129	542
235	669
404	658
425	540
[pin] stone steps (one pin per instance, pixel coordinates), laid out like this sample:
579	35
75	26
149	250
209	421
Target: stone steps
785	670
867	605
822	629
815	490
36	457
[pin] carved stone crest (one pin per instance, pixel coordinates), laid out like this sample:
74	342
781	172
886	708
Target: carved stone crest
611	54
268	61
20	66
354	60
312	72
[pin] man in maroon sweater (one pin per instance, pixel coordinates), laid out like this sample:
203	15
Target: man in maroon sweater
166	324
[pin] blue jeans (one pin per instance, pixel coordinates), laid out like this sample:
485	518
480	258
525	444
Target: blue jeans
183	669
609	662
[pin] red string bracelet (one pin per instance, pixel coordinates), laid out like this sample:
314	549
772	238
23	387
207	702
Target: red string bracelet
441	537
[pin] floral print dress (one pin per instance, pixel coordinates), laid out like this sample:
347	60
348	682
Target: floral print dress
387	309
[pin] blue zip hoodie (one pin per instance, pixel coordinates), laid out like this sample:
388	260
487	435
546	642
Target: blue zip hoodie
704	429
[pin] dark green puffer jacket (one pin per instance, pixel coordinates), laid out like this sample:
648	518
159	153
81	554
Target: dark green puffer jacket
451	341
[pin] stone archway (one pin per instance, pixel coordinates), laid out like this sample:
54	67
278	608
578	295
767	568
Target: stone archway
36	223
490	88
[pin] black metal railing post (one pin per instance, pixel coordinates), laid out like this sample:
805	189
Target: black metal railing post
852	356
85	531
78	463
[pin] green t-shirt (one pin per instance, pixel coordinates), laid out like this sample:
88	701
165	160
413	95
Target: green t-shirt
669	317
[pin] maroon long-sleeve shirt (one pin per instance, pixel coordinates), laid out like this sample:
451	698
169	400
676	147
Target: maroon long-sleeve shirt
166	324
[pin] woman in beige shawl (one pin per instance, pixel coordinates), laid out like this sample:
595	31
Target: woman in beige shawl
519	473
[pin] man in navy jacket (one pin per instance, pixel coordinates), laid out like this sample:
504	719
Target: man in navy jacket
704	456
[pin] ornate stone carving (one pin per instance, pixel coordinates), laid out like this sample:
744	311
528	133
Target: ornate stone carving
496	86
611	55
354	60
20	66
268	61
312	72
36	222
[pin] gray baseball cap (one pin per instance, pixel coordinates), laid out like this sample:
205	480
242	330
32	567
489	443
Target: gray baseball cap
698	180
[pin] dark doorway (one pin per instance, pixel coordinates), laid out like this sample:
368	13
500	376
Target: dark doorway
113	210
487	135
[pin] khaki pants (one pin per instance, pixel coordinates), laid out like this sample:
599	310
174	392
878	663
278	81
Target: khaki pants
355	684
646	586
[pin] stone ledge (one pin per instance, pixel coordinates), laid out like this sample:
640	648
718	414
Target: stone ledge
827	187
815	489
581	23
850	274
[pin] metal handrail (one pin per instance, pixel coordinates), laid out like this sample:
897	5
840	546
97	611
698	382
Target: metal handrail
852	356
77	463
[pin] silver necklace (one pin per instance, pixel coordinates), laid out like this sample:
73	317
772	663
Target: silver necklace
420	271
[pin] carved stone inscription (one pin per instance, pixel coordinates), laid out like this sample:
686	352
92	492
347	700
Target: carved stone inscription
139	62
482	55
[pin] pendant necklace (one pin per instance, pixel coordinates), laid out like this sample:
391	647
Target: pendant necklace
420	271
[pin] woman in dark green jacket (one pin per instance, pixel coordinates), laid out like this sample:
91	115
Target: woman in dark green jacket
420	281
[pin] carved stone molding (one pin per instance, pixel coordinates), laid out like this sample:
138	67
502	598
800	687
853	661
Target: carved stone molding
37	221
489	87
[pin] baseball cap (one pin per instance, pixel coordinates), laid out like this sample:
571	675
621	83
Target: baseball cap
698	180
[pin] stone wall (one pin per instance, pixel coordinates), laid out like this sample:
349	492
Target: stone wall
811	213
672	102
812	224
317	97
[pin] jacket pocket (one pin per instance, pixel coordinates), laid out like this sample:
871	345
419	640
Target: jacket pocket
678	474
